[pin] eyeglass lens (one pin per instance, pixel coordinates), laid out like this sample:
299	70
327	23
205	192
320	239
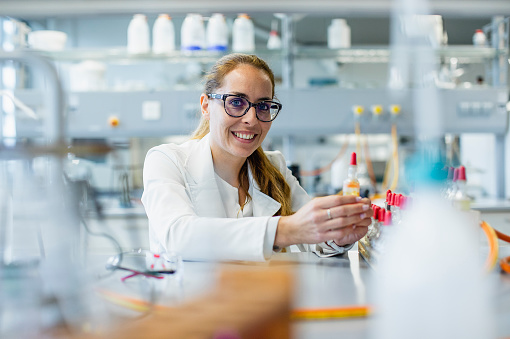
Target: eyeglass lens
237	106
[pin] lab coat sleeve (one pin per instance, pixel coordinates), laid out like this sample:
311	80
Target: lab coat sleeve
299	199
270	235
175	226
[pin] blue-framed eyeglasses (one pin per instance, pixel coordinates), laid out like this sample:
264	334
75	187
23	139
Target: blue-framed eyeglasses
237	106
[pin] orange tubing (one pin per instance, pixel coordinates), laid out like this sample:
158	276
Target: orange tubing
493	236
492	258
502	236
326	168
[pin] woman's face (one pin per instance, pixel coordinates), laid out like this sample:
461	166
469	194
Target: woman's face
237	138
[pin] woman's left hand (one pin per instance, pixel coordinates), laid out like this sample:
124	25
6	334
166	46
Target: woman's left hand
351	234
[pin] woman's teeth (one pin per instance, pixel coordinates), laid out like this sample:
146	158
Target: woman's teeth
244	136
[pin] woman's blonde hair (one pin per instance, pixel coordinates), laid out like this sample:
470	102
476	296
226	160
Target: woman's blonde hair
267	176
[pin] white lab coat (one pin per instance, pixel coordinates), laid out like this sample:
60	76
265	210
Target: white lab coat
186	213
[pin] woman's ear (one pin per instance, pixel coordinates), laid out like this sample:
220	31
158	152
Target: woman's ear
204	106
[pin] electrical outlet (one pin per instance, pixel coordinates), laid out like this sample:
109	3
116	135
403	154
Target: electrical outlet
151	110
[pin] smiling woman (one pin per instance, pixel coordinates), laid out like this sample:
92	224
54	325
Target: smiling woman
220	196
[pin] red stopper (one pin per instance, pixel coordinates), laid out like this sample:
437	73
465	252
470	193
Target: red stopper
462	173
381	212
387	218
376	210
455	174
400	200
388	193
353	159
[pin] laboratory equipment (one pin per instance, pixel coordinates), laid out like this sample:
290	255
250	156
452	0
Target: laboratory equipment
47	40
138	39
193	33
217	33
163	35
479	38
339	34
243	34
39	250
274	41
351	183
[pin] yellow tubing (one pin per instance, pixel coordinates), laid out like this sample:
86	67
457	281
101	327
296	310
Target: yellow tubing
395	157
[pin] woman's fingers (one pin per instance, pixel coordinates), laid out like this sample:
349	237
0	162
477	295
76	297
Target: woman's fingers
347	235
345	221
348	210
336	200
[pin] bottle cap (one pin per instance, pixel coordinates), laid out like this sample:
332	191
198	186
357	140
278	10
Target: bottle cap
479	31
388	193
455	174
375	208
462	173
387	218
401	200
382	212
353	159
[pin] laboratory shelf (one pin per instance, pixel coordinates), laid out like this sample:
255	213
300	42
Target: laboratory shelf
381	54
357	54
120	55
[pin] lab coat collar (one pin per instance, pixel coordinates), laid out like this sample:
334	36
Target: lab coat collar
205	189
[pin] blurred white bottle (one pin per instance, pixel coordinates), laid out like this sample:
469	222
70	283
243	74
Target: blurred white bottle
163	35
217	33
339	34
193	33
274	41
243	34
479	38
138	40
419	283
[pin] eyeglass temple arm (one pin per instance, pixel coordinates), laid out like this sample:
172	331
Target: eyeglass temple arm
216	96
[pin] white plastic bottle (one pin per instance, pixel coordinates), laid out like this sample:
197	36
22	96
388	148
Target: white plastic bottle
479	38
138	40
351	184
163	35
193	33
274	41
243	34
339	34
217	33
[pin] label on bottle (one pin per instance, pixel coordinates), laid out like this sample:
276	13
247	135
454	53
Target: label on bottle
351	188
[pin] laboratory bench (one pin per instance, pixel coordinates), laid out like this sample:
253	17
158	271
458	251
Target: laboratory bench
319	283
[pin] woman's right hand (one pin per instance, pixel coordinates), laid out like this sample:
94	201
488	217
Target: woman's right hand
312	224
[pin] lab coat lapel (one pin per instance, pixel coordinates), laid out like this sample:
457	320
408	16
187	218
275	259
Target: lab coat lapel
263	205
204	190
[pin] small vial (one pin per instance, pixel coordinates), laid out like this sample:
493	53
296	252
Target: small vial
461	199
351	184
479	38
